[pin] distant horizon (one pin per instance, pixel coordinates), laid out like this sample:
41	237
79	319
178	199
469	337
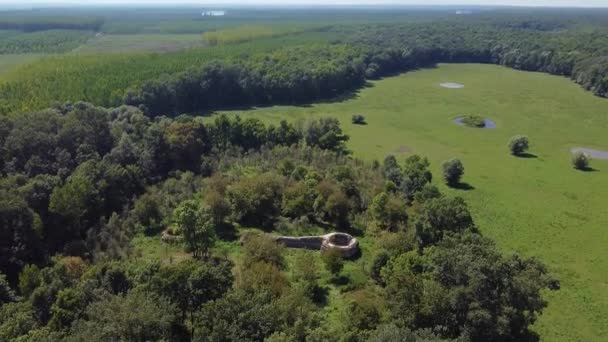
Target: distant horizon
26	4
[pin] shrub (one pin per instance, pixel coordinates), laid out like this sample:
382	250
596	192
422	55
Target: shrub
358	119
452	171
388	211
580	161
475	121
332	258
518	144
263	248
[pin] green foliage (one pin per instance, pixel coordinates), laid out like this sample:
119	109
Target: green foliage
148	213
497	309
452	171
51	41
196	224
392	171
239	316
388	211
135	316
363	315
288	59
358	119
256	200
29	280
378	263
467	267
416	175
16	319
6	293
189	285
474	121
31	22
518	145
19	235
333	261
343	189
78	195
393	333
263	248
261	276
187	141
298	199
580	161
439	216
326	134
305	272
514	182
246	33
68	306
331	204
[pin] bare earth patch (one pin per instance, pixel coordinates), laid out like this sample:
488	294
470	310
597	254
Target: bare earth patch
489	124
451	85
403	149
594	154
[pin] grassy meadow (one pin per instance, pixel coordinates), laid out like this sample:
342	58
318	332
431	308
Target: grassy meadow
535	206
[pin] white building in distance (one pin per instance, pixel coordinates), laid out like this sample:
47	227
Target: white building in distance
213	13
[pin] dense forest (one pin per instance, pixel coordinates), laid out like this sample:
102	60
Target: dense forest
48	41
31	22
80	182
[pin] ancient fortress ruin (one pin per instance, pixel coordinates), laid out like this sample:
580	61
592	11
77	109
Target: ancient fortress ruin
345	243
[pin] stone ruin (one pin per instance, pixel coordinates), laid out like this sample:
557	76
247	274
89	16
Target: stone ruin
345	243
167	237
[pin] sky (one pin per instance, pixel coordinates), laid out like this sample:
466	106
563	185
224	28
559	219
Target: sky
553	3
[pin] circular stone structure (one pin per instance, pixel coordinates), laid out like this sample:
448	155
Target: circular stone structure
488	124
451	85
345	243
594	154
167	237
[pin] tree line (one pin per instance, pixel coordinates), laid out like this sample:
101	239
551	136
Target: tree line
303	75
49	41
32	23
302	68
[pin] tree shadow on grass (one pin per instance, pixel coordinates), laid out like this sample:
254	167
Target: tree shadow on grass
529	336
588	169
320	294
355	256
463	186
526	155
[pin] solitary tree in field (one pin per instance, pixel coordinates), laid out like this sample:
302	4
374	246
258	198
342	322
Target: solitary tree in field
580	161
452	171
197	226
358	119
518	145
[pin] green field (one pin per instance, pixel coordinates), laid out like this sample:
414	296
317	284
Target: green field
125	43
537	206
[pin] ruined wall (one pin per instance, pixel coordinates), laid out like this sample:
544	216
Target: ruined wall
305	242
